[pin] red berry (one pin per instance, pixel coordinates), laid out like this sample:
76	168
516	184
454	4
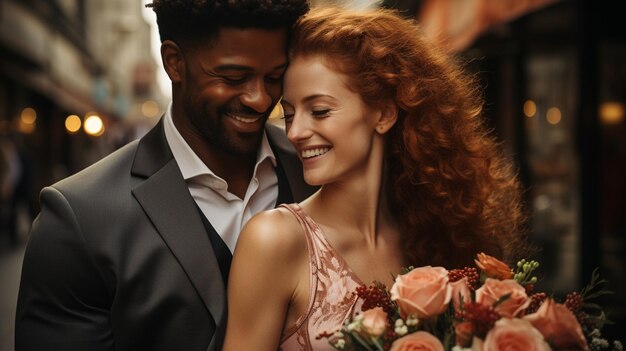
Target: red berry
473	279
481	316
535	302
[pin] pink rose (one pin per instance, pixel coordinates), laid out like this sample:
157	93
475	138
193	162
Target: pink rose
460	291
424	291
514	334
558	325
418	341
374	322
494	289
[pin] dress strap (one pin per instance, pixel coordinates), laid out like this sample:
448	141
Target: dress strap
314	263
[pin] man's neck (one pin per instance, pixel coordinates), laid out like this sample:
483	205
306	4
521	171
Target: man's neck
236	170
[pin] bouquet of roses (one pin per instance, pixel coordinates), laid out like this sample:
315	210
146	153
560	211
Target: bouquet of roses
487	307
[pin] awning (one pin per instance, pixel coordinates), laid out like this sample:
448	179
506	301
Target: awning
457	23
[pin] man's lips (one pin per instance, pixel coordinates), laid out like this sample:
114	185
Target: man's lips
245	118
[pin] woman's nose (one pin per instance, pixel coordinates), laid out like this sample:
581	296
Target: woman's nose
298	129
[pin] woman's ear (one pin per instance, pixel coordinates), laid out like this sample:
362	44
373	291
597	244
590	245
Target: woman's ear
388	117
173	60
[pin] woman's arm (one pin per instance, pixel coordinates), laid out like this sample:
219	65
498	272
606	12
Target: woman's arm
265	275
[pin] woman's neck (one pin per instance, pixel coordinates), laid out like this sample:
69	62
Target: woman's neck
355	205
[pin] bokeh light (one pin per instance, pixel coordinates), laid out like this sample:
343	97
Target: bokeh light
150	108
530	108
28	116
611	112
93	125
554	115
73	124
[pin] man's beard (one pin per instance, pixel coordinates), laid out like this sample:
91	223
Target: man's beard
213	131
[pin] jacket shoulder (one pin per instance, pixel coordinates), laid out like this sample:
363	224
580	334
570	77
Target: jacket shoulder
108	170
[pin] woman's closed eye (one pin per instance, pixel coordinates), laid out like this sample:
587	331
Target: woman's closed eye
288	115
319	113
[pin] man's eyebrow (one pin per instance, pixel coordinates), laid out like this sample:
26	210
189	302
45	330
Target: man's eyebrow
232	67
281	66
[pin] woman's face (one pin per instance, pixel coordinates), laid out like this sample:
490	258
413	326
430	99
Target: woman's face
330	125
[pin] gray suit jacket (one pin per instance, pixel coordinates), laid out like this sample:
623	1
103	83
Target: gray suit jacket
119	258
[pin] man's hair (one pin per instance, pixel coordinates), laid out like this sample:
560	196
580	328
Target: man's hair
192	20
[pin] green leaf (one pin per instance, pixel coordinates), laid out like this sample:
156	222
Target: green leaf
501	300
592	306
361	341
597	294
378	343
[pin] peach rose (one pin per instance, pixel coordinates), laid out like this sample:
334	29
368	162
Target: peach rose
418	341
460	291
424	291
494	289
464	333
558	325
493	267
514	334
477	344
374	322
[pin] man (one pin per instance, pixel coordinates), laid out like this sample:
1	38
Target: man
133	252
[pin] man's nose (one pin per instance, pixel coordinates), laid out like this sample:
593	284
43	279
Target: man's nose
257	97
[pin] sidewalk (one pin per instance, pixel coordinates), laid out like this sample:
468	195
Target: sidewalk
10	270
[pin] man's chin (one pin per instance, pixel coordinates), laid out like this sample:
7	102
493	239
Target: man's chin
244	144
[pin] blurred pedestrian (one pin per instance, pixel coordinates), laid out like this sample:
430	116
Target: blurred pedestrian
14	186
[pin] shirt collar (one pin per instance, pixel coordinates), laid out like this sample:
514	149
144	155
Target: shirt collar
188	161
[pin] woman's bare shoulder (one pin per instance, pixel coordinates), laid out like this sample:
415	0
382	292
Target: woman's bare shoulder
273	232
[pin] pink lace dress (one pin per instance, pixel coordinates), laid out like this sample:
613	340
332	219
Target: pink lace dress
331	298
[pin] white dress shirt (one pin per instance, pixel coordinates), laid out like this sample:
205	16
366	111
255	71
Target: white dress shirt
226	212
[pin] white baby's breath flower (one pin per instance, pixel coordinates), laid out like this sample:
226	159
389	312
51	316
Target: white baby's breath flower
401	330
356	325
340	344
399	322
412	321
595	333
599	343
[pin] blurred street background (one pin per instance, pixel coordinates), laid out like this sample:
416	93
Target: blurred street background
80	78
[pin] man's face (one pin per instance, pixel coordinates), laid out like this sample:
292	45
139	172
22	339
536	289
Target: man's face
230	86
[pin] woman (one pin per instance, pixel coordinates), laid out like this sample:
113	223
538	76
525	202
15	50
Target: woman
392	132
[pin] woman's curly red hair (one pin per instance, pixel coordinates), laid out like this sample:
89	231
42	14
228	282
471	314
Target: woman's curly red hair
447	183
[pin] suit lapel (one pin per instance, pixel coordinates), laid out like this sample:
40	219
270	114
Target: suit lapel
165	198
160	189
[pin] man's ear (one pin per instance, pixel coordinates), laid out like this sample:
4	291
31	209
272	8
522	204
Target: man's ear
173	60
387	118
